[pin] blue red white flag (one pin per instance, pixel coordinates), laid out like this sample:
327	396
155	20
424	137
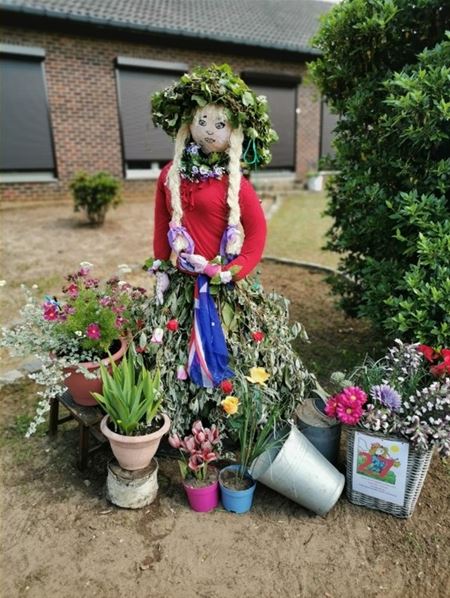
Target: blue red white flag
208	354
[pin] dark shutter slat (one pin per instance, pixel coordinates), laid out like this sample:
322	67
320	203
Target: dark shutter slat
142	140
282	105
25	136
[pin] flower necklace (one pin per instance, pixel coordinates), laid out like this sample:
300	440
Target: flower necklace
196	166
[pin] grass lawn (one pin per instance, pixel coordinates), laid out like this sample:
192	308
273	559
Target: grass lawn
297	230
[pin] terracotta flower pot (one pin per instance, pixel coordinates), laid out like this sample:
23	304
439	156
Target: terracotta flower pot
80	387
134	452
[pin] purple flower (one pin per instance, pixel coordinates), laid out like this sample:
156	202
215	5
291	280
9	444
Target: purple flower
387	396
50	311
105	301
192	148
91	283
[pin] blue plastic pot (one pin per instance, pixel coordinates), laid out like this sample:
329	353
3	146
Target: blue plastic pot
236	501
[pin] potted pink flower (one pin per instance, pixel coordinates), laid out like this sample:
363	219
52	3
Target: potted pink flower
198	450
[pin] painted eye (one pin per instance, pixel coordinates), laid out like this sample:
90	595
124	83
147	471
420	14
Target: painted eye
202	122
220	125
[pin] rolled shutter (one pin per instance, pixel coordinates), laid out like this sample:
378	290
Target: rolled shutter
282	98
142	141
25	130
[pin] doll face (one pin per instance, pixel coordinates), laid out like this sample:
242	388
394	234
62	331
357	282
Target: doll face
210	129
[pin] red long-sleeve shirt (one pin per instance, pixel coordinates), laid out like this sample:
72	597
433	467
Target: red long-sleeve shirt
205	216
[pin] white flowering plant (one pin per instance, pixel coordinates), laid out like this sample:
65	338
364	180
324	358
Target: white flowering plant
83	325
406	393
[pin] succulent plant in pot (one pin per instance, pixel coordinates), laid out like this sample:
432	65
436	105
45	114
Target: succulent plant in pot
134	424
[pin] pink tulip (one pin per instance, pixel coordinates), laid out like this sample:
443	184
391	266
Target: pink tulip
189	442
197	426
175	441
200	437
195	462
214	435
208	457
206	447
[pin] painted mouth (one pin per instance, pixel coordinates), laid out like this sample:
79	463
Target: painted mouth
209	140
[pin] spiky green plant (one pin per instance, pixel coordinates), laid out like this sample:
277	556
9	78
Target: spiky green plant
130	397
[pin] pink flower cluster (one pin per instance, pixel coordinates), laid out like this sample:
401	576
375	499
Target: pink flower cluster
347	405
199	446
93	331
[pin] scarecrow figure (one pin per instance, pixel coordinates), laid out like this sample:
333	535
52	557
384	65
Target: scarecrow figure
209	322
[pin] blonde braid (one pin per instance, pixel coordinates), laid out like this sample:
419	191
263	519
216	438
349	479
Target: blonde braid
173	176
173	183
234	184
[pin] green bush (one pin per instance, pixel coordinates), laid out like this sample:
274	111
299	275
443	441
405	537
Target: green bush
95	193
385	69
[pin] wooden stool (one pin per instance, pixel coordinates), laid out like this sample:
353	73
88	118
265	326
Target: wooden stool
87	418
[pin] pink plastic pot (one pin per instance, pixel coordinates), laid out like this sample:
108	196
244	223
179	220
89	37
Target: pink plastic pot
203	498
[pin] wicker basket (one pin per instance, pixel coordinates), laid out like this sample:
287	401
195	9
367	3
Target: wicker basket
418	464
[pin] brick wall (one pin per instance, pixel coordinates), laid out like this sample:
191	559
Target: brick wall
82	93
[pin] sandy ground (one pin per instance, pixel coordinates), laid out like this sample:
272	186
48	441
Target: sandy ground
61	537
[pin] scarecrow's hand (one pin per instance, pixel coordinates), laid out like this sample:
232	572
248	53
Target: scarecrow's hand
200	264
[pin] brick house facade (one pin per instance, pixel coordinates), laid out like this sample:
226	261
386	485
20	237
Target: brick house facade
82	92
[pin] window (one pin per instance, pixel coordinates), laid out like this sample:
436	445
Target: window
328	124
26	148
145	147
281	93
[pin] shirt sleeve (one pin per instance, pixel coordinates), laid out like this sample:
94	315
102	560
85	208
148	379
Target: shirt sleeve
255	231
162	216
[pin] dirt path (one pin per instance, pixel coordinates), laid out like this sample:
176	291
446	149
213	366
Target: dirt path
62	538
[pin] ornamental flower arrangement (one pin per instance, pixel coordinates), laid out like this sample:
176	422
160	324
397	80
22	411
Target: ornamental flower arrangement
197	166
82	325
163	343
406	393
250	421
198	450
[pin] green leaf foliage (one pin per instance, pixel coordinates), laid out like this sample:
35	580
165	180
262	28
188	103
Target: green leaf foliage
95	194
131	399
385	69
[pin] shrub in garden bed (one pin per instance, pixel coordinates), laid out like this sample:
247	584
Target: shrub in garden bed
95	194
385	69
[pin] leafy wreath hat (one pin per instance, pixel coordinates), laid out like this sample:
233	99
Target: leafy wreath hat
175	106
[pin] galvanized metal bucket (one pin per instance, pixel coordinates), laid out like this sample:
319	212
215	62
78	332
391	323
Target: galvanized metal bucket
300	472
324	432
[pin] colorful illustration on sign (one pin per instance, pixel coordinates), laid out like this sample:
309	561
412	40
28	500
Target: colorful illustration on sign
379	467
378	462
